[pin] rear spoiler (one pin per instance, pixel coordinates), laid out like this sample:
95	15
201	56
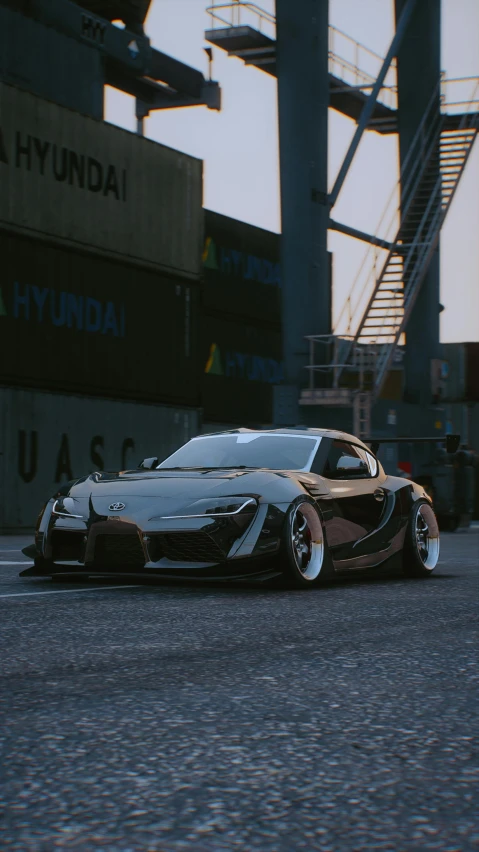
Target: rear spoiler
451	441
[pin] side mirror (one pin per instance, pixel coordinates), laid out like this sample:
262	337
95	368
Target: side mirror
352	466
149	464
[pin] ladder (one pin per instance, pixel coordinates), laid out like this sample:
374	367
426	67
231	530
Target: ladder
362	414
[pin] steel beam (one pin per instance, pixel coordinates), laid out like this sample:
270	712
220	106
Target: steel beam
303	99
130	63
419	69
360	235
371	101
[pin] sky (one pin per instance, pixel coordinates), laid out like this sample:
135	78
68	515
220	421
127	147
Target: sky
239	145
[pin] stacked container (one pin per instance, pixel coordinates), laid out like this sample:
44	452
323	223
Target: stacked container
240	340
101	242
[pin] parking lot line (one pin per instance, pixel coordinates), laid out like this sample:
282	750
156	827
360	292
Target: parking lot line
66	591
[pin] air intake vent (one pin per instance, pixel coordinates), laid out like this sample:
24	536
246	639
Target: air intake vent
67	546
191	547
119	551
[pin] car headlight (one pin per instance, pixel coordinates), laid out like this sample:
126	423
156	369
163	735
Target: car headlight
64	507
219	507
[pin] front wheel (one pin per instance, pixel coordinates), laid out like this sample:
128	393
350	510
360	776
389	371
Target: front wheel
421	547
306	560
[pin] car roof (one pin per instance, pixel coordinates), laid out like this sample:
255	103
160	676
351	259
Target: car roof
296	430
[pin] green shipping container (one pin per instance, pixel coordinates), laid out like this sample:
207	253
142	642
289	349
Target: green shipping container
77	323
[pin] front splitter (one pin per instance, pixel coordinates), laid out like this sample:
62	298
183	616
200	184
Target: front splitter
210	573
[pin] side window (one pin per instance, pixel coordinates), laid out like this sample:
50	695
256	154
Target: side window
345	461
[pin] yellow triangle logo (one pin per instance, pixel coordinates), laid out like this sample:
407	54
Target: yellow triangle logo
209	254
213	365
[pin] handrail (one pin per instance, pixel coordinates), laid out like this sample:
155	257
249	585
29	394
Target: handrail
342	68
422	146
348	68
235	9
407	199
373	53
426	238
455	82
388	223
233	14
237	5
385	355
359	64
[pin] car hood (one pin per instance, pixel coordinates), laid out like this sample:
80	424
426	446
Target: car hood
175	483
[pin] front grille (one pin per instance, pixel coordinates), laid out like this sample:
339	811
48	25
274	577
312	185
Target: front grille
67	546
113	550
191	547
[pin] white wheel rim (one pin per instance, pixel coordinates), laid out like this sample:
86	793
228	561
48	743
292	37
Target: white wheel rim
307	541
427	536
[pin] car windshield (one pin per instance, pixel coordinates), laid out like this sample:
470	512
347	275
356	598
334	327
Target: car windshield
276	452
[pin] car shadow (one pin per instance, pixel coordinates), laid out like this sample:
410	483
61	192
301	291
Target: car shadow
384	576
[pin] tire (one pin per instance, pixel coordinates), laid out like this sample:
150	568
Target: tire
305	558
421	546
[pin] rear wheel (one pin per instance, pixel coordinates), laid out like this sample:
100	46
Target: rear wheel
306	560
421	547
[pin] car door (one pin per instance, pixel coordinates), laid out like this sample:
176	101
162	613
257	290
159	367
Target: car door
354	479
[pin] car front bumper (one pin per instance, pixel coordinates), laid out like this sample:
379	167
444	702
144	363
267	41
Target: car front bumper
197	547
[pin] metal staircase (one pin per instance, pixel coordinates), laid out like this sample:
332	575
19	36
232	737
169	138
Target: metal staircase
430	174
388	283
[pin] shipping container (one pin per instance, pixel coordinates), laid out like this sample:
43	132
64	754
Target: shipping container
48	439
41	60
132	12
460	372
472	371
241	271
76	323
241	322
91	185
453	371
241	364
462	418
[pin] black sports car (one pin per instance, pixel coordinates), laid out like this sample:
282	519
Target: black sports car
303	503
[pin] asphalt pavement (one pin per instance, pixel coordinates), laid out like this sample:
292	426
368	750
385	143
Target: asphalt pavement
204	718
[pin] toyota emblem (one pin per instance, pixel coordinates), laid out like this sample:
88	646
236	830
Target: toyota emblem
116	507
